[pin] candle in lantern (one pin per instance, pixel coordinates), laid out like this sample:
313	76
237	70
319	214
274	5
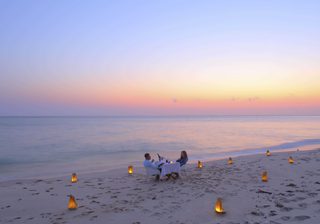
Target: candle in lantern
264	176
268	153
72	205
230	161
130	169
218	206
199	164
74	178
291	160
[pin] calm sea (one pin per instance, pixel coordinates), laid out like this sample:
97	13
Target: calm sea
53	146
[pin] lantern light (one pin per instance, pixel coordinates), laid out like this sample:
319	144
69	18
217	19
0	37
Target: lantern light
218	206
230	161
264	176
268	153
291	160
130	169
74	178
200	164
72	205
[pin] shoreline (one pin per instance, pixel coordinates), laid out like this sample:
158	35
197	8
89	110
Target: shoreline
138	164
290	195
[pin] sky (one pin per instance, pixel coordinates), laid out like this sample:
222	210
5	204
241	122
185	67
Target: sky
168	57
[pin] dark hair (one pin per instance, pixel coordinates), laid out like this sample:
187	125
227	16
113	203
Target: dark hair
146	155
184	155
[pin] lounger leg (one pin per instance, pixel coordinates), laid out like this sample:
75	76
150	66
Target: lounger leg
175	175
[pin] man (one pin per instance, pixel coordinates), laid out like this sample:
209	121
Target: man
151	164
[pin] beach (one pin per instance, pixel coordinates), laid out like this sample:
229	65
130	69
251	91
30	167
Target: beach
291	194
159	112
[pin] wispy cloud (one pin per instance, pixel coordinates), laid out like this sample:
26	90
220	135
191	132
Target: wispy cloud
253	99
174	100
234	99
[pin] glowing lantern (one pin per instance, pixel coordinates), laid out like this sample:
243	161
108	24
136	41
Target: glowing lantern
72	203
290	160
268	153
264	176
199	164
218	207
74	178
230	161
130	169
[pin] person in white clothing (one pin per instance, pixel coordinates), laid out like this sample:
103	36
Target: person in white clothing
150	163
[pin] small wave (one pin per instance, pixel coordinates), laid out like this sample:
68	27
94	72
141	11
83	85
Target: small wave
251	151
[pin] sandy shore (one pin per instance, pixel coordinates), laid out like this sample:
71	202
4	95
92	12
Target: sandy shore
292	194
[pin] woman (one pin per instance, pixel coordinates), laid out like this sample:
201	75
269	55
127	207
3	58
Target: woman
183	158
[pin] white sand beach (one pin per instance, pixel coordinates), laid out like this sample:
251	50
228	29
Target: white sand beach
291	194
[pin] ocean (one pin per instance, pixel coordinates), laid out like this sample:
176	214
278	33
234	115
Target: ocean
40	147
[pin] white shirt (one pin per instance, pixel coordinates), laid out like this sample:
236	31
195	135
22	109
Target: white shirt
149	163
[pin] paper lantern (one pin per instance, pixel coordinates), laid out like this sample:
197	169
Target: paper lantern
130	169
264	176
218	206
74	178
72	205
230	161
268	153
199	164
290	160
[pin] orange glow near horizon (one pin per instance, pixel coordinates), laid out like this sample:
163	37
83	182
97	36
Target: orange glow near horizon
168	100
249	89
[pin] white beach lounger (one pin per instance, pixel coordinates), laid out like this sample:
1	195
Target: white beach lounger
152	172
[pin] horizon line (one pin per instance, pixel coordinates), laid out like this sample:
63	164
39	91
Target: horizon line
156	116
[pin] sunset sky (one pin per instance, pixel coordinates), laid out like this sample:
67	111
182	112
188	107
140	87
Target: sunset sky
159	57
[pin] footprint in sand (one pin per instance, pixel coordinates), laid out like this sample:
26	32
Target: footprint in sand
303	205
312	194
8	206
301	217
94	202
257	213
272	213
93	217
285	218
291	185
286	209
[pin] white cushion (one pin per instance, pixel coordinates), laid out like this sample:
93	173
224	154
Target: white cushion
152	171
